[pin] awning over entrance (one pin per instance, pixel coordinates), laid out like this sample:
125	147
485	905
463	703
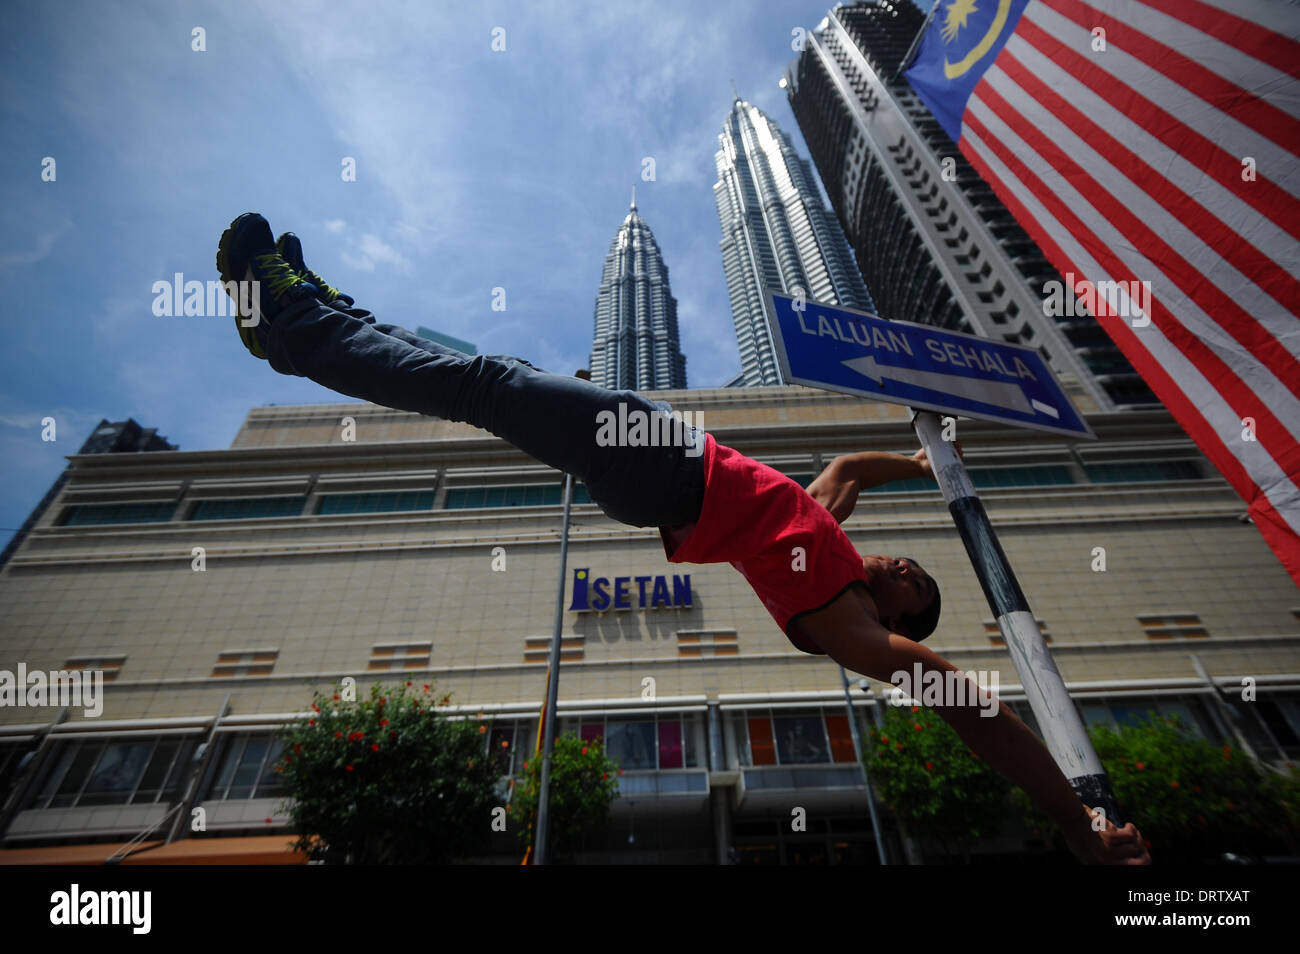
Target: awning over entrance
255	850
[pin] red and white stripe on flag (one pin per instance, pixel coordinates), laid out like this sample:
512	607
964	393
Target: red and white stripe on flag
1165	150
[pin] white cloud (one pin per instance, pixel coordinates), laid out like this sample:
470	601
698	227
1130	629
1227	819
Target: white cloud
374	251
44	245
335	225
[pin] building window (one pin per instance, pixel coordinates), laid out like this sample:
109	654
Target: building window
247	768
647	742
86	772
245	662
83	515
1170	625
1042	475
1143	470
528	495
390	656
246	507
809	738
376	503
110	666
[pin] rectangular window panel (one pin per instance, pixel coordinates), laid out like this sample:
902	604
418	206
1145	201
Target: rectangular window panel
269	784
837	727
250	764
248	507
631	745
86	756
83	515
670	745
152	782
762	751
800	739
524	495
591	731
116	773
1131	714
1033	476
1142	470
376	502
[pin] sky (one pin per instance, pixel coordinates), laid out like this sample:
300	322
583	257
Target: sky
475	168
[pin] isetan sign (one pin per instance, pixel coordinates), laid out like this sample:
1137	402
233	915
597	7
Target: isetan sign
598	593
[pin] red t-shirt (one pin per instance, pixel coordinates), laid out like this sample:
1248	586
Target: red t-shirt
754	517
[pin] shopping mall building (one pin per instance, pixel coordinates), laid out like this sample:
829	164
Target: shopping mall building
347	539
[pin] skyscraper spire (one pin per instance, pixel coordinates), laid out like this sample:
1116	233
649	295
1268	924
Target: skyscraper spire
735	95
633	208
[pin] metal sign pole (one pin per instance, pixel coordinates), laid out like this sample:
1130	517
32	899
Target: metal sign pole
866	776
1058	718
553	684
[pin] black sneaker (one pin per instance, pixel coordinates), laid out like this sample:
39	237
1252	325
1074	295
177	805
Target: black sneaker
247	253
290	248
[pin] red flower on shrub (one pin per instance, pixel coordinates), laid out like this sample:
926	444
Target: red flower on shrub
899	746
311	721
929	766
885	739
374	748
1141	767
338	735
584	750
336	698
918	727
349	768
916	708
1173	784
383	722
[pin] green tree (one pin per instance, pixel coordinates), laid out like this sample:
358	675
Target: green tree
940	789
388	780
584	783
1192	800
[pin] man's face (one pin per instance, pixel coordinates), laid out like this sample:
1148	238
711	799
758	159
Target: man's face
898	585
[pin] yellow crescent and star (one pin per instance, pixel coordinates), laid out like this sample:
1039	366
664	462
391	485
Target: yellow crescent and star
956	16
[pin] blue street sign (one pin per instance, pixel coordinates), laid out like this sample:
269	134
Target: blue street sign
838	349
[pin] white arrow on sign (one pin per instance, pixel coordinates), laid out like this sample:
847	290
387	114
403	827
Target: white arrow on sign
1003	394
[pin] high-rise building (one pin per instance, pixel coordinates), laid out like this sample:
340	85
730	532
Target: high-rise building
635	345
108	437
934	243
776	233
459	344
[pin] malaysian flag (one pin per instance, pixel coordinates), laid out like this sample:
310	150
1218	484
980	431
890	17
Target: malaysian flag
1150	149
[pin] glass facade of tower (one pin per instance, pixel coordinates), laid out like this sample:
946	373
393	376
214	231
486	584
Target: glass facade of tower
776	233
934	243
635	345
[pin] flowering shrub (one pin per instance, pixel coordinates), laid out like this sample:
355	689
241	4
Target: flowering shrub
583	784
388	780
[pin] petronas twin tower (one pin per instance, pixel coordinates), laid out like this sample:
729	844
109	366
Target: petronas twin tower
636	344
776	233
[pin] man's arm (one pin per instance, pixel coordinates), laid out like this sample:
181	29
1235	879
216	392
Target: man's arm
847	634
837	487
